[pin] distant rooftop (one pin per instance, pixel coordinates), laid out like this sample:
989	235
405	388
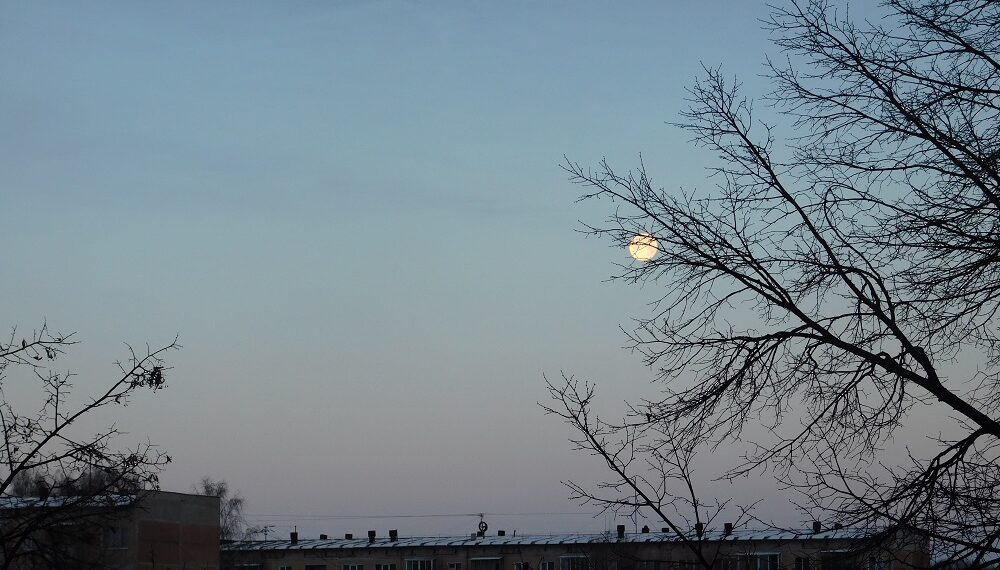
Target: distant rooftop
62	500
539	539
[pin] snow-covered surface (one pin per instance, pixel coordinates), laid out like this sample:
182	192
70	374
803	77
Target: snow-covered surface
59	501
538	539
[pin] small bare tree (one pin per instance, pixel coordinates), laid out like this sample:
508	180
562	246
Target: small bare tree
832	288
54	482
232	522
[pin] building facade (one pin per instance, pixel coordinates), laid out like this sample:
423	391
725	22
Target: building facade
726	549
151	530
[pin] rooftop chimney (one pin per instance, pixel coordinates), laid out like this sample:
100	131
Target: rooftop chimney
699	529
817	527
837	526
348	536
323	537
727	529
501	533
621	532
664	530
371	536
295	537
393	535
481	533
645	528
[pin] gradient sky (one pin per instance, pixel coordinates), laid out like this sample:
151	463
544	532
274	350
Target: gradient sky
353	215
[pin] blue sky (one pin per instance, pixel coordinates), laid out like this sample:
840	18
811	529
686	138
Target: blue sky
353	215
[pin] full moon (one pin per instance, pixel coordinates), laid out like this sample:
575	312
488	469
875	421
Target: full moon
643	247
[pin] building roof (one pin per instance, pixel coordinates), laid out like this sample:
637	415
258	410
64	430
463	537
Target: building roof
538	539
61	501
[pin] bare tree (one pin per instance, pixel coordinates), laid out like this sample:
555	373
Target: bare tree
48	483
232	522
831	287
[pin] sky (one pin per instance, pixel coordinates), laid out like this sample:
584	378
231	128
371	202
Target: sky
353	215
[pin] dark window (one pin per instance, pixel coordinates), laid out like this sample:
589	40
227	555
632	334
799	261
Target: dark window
838	561
880	564
116	537
573	563
763	562
315	566
419	565
486	564
731	563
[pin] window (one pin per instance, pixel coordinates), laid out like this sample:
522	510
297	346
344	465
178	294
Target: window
522	566
573	563
454	566
315	566
116	537
766	561
543	565
492	563
880	564
730	563
420	564
837	561
390	566
802	563
354	567
284	568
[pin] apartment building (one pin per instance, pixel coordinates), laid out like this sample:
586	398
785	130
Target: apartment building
152	530
725	549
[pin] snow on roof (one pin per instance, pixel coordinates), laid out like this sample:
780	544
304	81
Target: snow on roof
60	501
538	539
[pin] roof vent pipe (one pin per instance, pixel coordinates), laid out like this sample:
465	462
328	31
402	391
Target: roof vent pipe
371	536
295	537
645	528
621	532
727	529
817	527
393	535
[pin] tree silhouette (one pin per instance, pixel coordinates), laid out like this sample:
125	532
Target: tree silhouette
232	522
56	483
835	285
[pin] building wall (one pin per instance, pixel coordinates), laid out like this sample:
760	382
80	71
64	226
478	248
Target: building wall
174	531
161	530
